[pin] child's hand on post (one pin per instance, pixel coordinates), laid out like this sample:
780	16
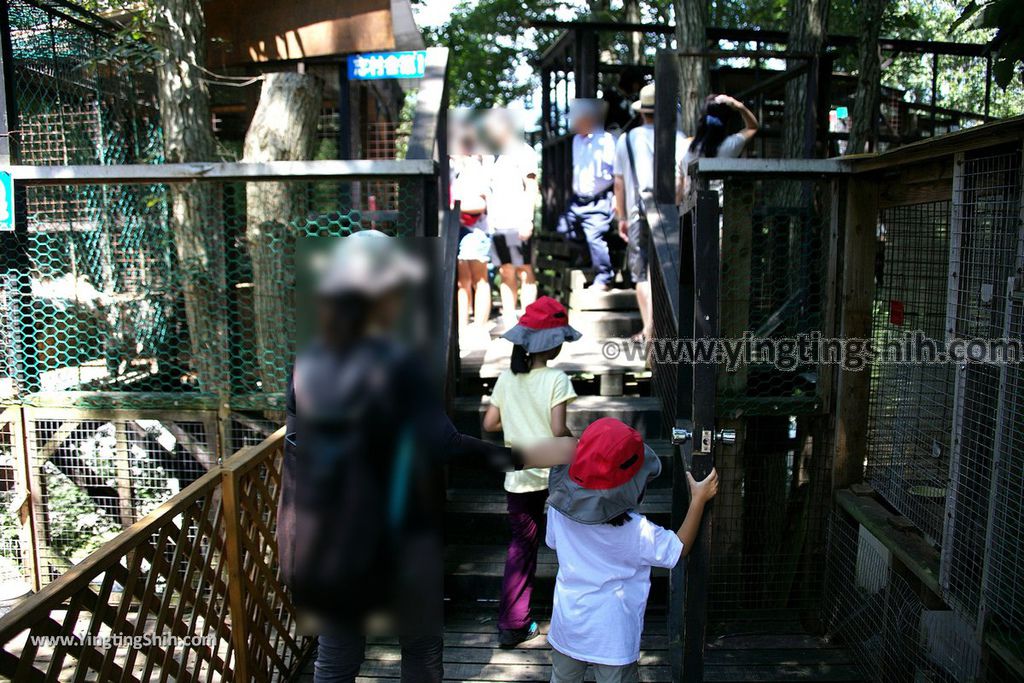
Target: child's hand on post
703	491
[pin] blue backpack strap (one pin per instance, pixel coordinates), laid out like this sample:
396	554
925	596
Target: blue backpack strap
401	474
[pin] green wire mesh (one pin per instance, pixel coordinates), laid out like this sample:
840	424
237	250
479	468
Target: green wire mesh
108	296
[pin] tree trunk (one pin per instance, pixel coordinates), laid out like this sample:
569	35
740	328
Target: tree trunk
869	74
807	30
694	78
195	214
282	129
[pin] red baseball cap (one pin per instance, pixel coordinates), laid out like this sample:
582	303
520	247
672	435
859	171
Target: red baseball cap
608	455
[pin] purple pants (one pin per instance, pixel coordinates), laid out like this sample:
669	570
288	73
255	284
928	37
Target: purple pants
526	521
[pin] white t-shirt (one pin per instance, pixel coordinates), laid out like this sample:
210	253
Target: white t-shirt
509	205
731	147
642	139
604	578
525	402
592	159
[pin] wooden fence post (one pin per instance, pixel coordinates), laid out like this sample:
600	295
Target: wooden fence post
856	294
236	571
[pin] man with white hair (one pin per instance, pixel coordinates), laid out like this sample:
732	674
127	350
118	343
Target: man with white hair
588	218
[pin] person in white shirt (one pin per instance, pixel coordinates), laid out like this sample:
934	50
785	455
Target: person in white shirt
634	175
588	218
712	138
606	550
514	193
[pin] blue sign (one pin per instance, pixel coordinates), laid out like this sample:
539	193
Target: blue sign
6	202
372	66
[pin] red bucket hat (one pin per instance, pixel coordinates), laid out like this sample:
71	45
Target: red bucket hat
608	475
543	326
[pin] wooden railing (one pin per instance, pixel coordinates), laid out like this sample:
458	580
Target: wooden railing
190	592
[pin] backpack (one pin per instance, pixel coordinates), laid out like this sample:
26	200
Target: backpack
345	480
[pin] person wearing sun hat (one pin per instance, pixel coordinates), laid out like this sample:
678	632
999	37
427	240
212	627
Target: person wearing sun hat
634	174
528	403
606	550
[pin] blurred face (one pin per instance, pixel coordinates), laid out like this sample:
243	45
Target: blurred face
387	309
583	124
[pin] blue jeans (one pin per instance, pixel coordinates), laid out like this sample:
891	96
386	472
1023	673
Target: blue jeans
589	220
339	658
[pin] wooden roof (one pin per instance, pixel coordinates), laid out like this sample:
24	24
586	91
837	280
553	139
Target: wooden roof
245	31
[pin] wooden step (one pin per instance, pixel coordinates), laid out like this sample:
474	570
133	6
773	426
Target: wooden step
488	359
475	572
612	300
480	515
606	325
643	413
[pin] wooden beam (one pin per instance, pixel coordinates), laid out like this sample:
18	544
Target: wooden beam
857	290
986	135
909	546
665	127
429	101
717	166
183	173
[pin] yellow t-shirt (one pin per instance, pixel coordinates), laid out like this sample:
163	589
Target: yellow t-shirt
525	402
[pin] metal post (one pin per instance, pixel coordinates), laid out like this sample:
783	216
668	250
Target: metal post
682	454
586	62
988	83
935	89
706	256
666	78
344	138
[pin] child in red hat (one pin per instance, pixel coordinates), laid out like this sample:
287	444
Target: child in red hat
528	403
606	550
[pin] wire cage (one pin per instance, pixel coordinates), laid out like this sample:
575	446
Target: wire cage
945	432
75	100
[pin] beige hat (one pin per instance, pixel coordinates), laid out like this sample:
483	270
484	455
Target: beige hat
646	101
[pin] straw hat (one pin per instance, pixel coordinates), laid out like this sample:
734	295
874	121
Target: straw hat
646	101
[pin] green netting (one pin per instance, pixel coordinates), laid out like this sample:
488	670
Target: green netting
112	296
74	101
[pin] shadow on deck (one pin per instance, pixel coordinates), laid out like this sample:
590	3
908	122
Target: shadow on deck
771	648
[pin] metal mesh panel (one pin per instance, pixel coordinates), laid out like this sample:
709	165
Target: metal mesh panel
102	301
1002	591
97	474
870	607
768	529
988	248
911	405
12	560
75	103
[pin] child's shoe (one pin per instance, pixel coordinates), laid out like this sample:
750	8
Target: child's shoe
510	637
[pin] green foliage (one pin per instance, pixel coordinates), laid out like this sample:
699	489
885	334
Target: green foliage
1006	17
488	45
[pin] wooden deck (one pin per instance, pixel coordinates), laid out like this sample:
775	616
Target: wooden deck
775	650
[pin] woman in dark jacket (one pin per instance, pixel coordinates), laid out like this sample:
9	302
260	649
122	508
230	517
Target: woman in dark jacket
361	511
